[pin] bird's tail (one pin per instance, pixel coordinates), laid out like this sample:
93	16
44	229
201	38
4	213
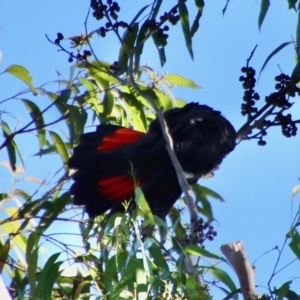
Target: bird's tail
103	179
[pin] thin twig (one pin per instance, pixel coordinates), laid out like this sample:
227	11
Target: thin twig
23	129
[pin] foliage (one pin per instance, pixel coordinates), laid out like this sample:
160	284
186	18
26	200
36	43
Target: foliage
122	257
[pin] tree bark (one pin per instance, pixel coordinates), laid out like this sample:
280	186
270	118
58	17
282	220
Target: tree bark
236	255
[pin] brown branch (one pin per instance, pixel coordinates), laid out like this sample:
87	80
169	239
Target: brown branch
236	255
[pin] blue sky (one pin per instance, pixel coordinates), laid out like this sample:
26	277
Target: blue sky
256	182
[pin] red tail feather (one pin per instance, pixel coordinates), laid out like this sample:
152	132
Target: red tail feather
117	188
120	138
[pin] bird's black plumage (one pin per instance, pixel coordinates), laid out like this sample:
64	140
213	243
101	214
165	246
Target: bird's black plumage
113	160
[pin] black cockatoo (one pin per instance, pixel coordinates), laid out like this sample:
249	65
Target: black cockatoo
112	161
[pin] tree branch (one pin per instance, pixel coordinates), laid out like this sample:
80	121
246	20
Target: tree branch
237	257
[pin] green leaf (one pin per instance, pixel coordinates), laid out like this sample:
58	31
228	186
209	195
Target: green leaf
283	290
180	80
61	148
23	194
158	258
202	193
273	53
136	111
48	277
60	100
4	250
108	103
180	103
127	279
70	83
102	75
90	86
11	145
128	39
225	278
162	56
140	42
51	260
163	101
110	274
296	72
112	220
23	74
102	84
37	118
292	4
31	259
155	9
178	228
291	295
76	122
143	204
210	193
130	90
83	287
141	280
295	242
185	23
3	196
263	12
199	251
160	43
95	106
50	150
195	26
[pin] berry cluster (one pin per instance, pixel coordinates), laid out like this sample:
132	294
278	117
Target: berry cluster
115	68
173	17
283	81
59	38
108	26
250	96
288	127
99	9
279	99
84	55
162	36
81	57
200	232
